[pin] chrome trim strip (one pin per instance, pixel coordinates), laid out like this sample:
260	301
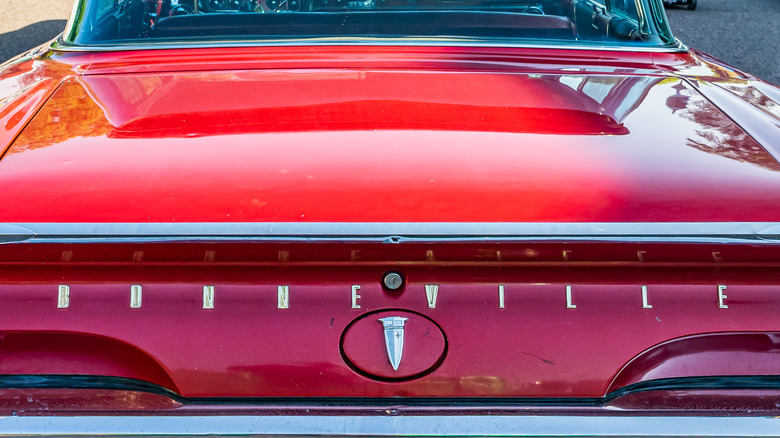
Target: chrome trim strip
386	426
361	41
70	26
681	45
14	233
396	232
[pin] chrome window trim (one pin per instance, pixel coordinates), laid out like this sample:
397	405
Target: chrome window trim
75	16
61	46
387	426
396	232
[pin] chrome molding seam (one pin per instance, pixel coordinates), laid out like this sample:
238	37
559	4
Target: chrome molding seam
387	426
63	46
395	232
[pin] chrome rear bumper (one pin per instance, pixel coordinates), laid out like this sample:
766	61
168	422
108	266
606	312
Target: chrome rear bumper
386	426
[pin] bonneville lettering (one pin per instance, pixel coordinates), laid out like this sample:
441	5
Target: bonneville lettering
63	297
355	296
136	292
645	304
431	293
722	297
569	303
283	297
208	297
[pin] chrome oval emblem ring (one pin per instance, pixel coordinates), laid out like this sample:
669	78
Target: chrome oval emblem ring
393	345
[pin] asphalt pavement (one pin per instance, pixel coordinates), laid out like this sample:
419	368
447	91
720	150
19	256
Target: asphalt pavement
26	24
744	33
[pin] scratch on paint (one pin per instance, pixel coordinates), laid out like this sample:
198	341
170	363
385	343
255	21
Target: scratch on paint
543	360
426	333
658	319
331	322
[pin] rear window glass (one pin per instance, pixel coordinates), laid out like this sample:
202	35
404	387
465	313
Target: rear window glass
562	22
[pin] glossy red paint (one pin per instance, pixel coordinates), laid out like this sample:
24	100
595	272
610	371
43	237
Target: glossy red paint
392	134
14	401
62	352
473	253
364	348
291	145
378	57
247	347
734	403
722	354
26	83
716	402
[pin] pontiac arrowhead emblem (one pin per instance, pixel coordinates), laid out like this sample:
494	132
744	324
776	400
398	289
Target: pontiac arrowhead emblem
394	338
